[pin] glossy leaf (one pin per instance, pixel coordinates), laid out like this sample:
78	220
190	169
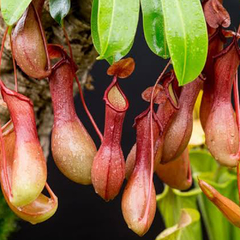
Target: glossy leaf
12	10
120	55
187	38
154	28
112	34
185	229
94	26
95	36
96	40
59	9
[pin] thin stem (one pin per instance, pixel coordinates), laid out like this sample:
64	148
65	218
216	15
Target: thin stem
67	39
152	142
43	37
80	88
14	64
87	110
51	193
2	46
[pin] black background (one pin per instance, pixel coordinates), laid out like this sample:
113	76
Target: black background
82	214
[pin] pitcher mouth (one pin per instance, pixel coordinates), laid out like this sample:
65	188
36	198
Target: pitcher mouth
10	92
115	98
169	89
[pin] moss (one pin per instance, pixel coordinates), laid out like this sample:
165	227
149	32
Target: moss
7	219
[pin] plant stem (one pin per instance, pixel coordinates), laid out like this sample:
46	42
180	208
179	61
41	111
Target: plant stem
80	89
43	37
87	110
2	46
14	64
67	40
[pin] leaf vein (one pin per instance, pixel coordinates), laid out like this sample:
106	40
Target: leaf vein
185	41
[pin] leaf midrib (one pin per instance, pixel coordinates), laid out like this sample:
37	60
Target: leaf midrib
185	41
166	51
110	28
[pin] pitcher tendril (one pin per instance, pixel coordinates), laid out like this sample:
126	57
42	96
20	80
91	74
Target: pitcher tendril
151	139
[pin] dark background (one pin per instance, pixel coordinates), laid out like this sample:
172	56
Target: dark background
82	214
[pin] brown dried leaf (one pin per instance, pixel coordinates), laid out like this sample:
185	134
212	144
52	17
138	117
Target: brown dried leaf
122	69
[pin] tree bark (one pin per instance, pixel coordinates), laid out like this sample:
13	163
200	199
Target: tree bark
77	25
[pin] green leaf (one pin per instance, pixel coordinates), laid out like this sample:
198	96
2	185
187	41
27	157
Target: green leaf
154	28
118	56
170	204
59	9
96	40
114	25
94	26
202	161
187	37
185	229
12	10
172	197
